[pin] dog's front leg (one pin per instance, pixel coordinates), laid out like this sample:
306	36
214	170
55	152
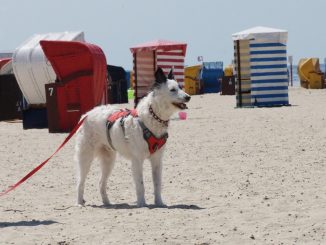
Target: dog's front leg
137	172
156	162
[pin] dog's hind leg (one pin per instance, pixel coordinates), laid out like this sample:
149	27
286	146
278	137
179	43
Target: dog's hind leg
106	158
137	172
156	162
84	156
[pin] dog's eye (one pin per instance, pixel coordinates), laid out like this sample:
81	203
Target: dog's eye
173	90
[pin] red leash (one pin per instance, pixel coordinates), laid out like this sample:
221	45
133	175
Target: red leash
30	174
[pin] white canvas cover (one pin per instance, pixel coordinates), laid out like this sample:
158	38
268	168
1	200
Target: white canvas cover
262	33
31	68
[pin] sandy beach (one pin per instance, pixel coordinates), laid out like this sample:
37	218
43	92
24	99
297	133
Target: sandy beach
230	176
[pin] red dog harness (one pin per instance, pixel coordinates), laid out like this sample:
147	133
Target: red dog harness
153	142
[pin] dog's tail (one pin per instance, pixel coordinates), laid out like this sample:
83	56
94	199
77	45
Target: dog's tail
83	121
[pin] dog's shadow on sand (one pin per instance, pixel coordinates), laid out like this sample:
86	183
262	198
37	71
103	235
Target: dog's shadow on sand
151	206
27	223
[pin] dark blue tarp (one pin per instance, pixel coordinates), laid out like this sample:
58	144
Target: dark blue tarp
210	76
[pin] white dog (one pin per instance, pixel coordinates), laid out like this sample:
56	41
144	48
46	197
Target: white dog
137	135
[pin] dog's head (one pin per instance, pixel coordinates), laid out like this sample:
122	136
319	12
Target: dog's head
168	91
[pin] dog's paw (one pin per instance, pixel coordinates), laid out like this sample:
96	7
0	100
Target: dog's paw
81	203
160	204
141	204
107	203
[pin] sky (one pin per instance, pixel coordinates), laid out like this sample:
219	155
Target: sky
205	25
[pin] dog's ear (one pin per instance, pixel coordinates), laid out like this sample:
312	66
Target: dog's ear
160	76
171	75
